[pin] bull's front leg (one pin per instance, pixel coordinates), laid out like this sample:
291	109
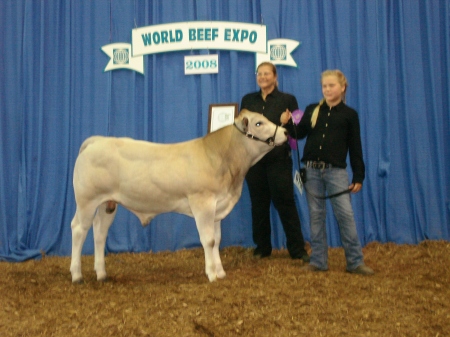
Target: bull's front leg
216	254
206	233
203	210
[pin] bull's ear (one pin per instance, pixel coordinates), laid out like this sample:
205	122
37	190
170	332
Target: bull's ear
245	124
242	120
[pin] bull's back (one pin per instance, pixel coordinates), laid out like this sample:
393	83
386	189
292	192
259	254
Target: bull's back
139	171
99	149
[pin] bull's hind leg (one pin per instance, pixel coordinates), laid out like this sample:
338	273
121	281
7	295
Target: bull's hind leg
80	225
102	221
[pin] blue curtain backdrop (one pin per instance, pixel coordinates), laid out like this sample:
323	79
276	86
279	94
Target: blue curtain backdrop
55	93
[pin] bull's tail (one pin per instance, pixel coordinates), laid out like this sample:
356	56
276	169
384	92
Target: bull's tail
88	142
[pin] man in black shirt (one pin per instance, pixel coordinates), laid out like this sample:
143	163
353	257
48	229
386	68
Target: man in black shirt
270	180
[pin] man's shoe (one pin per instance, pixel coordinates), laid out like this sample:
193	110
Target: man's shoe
258	255
261	256
304	258
311	267
362	269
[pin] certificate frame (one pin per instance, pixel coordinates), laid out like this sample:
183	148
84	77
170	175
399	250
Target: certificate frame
221	115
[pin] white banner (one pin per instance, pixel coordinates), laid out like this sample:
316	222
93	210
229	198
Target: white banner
279	52
189	35
120	54
201	64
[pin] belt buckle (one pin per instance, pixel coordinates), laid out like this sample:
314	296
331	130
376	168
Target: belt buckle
319	165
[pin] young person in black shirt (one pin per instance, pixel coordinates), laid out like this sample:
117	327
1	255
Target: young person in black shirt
332	130
270	180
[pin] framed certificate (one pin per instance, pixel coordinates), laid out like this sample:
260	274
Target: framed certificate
221	115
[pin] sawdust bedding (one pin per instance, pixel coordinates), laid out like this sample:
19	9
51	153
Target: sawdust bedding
168	294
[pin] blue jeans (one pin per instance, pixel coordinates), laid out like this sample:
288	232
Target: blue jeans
331	180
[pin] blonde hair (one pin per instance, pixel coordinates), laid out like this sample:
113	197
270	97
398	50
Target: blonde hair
342	81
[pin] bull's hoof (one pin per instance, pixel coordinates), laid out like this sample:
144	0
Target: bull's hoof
78	281
221	274
102	279
212	278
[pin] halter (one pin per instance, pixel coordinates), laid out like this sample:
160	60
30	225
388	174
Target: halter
269	141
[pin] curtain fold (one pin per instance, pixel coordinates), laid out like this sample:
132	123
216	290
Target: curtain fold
54	93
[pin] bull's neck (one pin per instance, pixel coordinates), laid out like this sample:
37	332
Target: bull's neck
231	149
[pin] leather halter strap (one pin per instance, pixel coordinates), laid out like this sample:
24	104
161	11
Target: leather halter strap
269	141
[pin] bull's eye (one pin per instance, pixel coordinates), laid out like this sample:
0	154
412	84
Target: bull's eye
258	124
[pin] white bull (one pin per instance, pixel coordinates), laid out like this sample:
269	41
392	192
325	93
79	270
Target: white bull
201	178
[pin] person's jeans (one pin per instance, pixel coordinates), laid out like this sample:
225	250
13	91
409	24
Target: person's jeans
320	182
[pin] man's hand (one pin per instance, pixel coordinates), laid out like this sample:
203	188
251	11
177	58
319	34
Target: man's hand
285	117
355	187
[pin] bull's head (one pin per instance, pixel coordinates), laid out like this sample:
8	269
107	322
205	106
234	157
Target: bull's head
255	126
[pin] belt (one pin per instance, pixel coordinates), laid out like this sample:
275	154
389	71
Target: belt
320	165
